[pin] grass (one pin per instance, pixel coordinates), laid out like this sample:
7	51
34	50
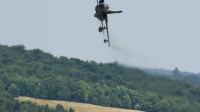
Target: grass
79	107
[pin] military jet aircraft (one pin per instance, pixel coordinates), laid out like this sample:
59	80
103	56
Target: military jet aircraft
102	10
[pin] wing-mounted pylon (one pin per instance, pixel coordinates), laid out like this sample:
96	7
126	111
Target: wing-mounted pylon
106	19
114	12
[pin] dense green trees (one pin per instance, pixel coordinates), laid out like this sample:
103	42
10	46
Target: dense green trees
14	90
2	86
38	74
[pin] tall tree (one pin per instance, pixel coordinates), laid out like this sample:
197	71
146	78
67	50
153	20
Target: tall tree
14	90
2	86
175	72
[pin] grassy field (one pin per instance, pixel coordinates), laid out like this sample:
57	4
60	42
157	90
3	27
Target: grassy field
79	107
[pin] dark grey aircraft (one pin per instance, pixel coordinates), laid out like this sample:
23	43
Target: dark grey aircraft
102	10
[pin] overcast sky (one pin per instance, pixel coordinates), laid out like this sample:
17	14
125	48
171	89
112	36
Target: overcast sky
151	33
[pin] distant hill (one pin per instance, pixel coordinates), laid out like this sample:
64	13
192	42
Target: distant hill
37	74
192	78
79	107
161	71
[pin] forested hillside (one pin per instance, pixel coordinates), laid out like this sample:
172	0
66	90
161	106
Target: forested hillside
38	74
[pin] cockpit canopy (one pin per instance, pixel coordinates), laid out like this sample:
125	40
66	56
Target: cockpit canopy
101	1
101	5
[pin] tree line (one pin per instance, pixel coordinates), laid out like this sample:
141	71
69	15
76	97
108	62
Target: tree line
9	104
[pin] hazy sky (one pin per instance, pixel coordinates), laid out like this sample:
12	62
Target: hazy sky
151	33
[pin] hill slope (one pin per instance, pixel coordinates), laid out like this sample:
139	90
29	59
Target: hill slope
38	74
79	107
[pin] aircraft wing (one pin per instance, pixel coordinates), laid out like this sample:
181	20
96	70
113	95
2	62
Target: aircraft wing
113	12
